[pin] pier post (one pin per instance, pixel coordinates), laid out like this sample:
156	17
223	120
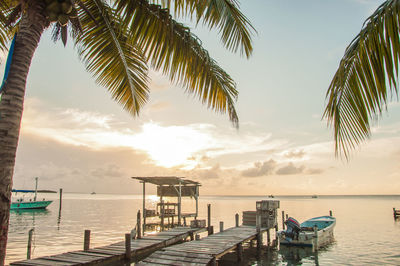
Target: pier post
315	246
283	220
239	251
128	254
138	225
330	213
209	219
258	226
29	249
59	209
237	219
221	226
394	213
86	240
197	237
191	234
162	209
213	262
184	220
287	216
211	230
144	207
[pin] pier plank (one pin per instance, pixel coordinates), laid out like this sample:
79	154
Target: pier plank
203	251
116	251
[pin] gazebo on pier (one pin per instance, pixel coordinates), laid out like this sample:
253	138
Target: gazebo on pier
174	187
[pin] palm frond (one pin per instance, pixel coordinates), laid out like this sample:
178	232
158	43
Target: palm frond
235	29
172	48
366	77
111	57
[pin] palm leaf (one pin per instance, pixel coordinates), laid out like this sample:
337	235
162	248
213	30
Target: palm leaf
111	57
366	77
172	48
235	28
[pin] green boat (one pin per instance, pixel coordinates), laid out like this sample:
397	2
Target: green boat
28	204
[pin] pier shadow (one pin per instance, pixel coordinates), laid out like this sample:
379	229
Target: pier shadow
272	256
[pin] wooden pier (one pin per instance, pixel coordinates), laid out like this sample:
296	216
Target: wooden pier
206	251
130	250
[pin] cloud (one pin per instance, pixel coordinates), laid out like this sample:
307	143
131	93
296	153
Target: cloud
295	154
110	170
314	171
290	169
212	173
186	146
159	106
260	169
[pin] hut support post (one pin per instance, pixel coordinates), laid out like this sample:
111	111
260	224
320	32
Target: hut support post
144	207
209	219
197	201
162	210
179	203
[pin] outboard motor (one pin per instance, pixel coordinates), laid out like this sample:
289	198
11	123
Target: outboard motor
293	228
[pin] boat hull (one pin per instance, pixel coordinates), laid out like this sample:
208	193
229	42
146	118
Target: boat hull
24	205
313	239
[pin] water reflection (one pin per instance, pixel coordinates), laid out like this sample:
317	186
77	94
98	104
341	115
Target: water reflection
297	255
24	219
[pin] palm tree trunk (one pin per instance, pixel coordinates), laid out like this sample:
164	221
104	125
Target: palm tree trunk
11	106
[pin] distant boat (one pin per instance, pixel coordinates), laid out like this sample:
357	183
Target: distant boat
93	193
28	204
315	232
271	196
314	196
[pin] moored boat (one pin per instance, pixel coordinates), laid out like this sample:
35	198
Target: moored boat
315	232
28	204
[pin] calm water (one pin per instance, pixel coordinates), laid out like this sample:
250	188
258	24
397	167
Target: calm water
365	233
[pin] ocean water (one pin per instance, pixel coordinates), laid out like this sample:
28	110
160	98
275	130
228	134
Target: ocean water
365	232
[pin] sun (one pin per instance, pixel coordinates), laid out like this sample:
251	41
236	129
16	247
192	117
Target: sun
172	145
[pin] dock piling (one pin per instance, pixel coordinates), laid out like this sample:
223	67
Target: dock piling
29	249
221	226
237	219
330	213
138	225
128	254
239	251
86	240
258	228
283	220
59	209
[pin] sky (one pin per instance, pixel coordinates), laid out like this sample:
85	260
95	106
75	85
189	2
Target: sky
75	137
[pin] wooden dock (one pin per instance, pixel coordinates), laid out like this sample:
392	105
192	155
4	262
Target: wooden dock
205	251
117	252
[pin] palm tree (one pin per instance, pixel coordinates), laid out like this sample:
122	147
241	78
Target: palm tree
366	78
118	41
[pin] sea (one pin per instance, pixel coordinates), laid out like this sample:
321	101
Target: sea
366	232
